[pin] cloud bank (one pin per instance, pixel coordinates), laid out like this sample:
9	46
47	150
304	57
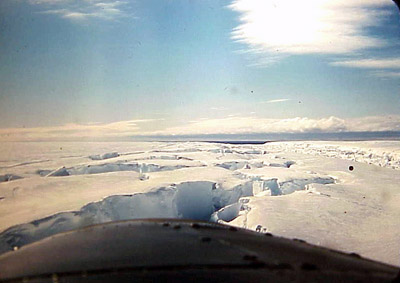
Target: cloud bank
124	130
250	125
117	130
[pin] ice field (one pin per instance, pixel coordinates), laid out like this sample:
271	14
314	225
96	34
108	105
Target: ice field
341	195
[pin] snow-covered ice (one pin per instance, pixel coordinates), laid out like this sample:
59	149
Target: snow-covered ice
104	156
302	190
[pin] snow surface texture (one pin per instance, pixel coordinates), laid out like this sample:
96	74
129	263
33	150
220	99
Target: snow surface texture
104	156
9	177
294	189
385	154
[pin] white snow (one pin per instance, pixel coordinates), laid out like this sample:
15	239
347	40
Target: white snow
294	189
381	153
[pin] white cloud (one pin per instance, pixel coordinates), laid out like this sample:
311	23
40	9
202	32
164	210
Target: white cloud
276	100
247	125
277	28
83	10
124	130
243	125
388	63
76	15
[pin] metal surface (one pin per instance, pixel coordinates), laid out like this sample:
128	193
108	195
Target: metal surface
177	250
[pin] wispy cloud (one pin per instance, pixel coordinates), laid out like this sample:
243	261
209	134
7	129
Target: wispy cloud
273	29
218	108
76	10
276	100
51	2
386	74
388	63
384	68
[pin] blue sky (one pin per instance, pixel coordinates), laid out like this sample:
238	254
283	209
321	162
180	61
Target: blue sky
110	68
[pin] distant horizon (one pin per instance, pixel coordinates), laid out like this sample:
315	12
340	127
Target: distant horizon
110	69
253	138
273	137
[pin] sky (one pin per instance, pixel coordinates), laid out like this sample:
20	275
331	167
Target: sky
79	69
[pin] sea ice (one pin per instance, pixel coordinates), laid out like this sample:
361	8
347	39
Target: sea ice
294	189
